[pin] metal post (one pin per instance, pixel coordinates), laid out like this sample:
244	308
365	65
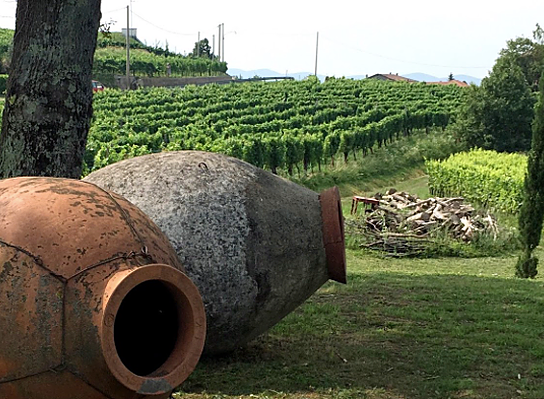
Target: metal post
223	44
128	49
219	43
316	48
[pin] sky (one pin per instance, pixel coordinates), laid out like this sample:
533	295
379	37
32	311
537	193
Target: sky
355	37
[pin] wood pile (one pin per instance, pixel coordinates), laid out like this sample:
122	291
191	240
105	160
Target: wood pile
402	224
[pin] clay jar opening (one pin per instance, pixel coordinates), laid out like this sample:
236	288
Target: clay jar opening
333	234
147	326
153	328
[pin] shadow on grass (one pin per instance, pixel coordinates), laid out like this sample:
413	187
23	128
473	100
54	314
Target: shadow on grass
414	336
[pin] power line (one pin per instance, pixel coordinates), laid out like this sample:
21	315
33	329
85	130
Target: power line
405	61
112	11
285	35
161	28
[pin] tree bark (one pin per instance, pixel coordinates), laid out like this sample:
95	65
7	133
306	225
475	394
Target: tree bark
48	104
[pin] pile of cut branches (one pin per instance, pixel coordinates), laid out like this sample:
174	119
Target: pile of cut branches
401	224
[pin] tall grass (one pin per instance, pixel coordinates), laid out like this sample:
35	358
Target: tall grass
398	161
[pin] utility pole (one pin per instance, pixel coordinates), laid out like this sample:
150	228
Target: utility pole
316	49
198	46
128	48
223	44
219	43
213	45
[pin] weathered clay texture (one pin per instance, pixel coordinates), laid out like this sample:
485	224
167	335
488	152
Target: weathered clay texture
252	242
75	261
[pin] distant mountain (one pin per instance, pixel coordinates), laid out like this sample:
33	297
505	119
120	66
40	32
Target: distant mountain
250	74
357	77
304	75
268	73
420	77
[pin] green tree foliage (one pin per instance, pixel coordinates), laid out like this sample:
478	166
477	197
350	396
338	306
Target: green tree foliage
203	49
498	114
6	48
3	84
528	55
532	210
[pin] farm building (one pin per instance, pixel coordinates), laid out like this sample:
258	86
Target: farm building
391	77
450	82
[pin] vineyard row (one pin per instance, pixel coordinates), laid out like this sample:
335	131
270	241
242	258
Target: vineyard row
287	125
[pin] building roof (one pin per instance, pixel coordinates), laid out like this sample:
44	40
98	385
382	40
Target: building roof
450	82
390	76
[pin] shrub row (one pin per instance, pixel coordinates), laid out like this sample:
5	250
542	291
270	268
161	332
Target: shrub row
492	179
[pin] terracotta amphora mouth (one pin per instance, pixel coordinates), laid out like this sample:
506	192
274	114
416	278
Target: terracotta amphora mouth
153	328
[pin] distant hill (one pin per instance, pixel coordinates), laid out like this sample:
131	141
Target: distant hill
240	73
357	77
420	77
268	73
146	61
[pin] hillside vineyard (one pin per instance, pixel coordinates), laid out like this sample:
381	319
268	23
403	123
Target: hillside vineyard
289	125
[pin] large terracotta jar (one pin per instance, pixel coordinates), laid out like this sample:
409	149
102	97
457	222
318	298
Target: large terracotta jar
256	245
94	303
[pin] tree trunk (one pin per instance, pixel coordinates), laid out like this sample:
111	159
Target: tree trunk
48	105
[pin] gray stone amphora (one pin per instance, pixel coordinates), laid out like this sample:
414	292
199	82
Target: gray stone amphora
256	245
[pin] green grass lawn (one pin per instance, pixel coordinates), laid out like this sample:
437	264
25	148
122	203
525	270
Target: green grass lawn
401	328
432	328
